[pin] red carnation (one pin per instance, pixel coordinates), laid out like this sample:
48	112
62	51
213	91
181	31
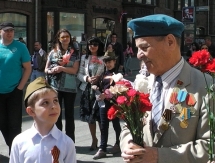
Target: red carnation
131	92
145	105
200	59
124	83
210	66
121	100
111	114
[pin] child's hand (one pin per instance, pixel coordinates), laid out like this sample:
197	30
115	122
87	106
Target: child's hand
100	97
94	87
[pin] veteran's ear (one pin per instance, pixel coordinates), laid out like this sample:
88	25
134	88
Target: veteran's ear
171	41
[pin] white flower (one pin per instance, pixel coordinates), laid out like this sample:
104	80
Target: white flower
141	84
117	77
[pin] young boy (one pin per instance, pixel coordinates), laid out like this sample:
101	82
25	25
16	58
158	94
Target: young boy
43	142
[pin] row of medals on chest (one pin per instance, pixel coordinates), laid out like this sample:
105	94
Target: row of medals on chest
177	97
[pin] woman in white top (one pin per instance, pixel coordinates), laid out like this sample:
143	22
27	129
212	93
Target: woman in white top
91	67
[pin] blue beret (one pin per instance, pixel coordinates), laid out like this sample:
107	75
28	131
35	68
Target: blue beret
155	25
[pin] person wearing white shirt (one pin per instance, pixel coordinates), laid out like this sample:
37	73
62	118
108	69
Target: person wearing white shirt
43	142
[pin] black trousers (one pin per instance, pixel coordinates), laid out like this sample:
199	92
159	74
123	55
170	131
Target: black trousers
105	127
11	115
69	100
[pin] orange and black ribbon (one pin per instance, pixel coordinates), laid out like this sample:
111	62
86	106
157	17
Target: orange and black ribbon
55	153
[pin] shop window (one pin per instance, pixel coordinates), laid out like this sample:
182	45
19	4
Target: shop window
148	2
103	27
19	21
129	34
200	31
73	22
179	4
50	29
167	4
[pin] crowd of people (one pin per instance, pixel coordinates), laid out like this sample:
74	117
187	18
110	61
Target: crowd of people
208	45
53	83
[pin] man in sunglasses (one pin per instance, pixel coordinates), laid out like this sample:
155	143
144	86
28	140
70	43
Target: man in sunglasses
118	51
15	69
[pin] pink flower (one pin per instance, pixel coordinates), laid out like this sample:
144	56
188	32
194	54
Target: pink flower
95	60
108	94
121	100
131	92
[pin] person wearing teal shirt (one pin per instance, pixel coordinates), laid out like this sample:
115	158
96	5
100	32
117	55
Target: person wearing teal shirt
15	69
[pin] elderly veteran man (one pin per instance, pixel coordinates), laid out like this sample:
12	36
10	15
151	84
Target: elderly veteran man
176	130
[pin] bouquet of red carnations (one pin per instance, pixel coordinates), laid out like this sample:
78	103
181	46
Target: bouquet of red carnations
203	61
130	105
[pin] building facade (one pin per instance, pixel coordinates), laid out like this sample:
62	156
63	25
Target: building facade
41	19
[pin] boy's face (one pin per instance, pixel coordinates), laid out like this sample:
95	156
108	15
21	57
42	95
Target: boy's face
110	64
46	109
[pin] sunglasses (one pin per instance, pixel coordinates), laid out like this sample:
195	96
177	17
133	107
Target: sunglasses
63	37
94	44
204	48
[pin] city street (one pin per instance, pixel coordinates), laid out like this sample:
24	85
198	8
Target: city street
82	134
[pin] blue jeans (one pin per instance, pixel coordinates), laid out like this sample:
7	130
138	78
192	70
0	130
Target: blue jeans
105	126
35	74
11	115
69	100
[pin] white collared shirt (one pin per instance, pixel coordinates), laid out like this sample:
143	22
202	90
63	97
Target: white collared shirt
31	147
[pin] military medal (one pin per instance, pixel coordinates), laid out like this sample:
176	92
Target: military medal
176	89
192	110
178	108
182	115
179	83
164	126
173	108
173	98
190	100
182	96
167	115
184	124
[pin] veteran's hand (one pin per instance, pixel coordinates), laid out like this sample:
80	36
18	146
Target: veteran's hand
134	153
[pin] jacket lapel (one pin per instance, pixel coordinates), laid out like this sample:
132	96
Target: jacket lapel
185	78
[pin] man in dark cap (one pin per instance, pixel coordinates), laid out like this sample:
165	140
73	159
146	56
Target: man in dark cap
15	69
170	135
